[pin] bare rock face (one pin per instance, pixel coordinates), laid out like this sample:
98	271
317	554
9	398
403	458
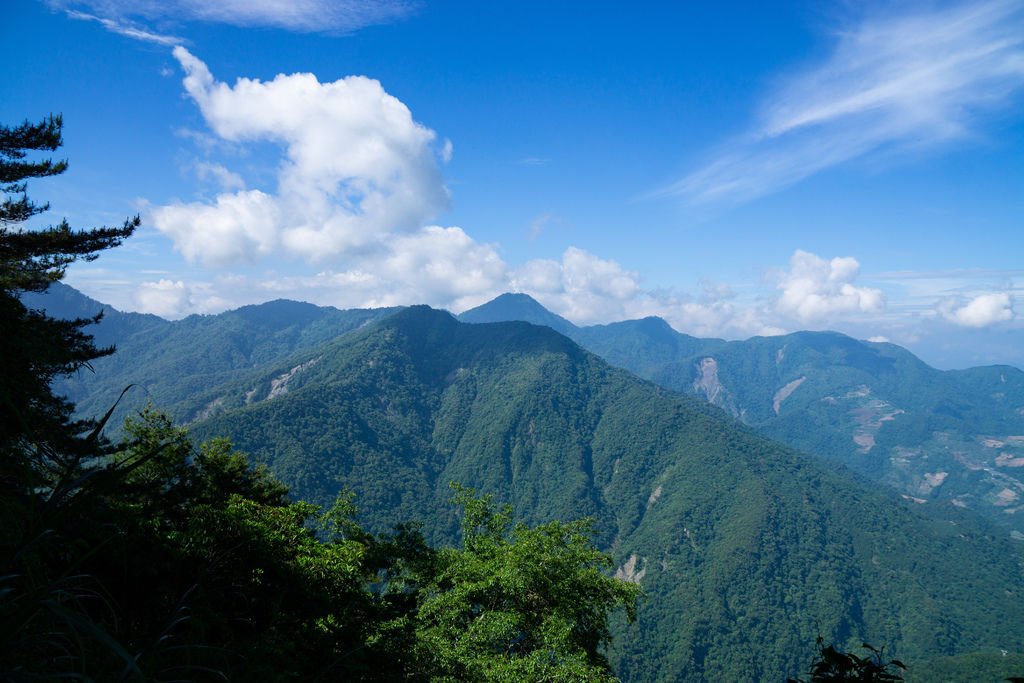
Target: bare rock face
708	385
629	572
785	392
279	385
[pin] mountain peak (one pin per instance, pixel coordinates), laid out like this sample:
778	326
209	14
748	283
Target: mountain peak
280	313
513	306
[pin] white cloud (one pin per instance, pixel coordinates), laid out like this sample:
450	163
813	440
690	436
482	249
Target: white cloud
981	311
165	298
587	289
357	185
895	82
439	266
306	16
175	299
125	28
814	289
878	339
444	266
721	318
356	169
239	226
359	181
227	180
581	287
356	188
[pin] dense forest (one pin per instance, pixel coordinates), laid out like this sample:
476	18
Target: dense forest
938	437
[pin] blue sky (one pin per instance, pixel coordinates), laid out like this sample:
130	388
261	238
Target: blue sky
736	168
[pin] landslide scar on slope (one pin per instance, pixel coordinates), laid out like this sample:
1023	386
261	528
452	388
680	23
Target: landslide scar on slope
707	383
279	385
785	392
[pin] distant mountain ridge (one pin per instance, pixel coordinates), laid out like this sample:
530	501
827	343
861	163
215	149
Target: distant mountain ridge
168	361
66	302
956	436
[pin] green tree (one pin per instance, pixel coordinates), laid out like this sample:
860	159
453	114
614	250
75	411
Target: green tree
49	607
15	144
40	442
518	603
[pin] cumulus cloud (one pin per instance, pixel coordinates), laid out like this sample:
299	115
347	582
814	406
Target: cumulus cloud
981	311
356	168
703	318
236	226
174	299
588	289
815	289
582	286
446	267
305	16
165	298
443	266
895	82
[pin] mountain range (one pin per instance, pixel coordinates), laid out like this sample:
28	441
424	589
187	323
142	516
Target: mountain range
953	436
747	548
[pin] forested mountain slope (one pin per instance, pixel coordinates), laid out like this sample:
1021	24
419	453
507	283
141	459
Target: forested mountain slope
934	436
67	303
168	362
745	547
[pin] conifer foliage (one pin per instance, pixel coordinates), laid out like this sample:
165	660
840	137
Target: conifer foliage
36	348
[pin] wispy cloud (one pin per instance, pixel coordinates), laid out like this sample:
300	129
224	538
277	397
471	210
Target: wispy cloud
926	292
304	16
537	226
124	28
965	274
892	83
